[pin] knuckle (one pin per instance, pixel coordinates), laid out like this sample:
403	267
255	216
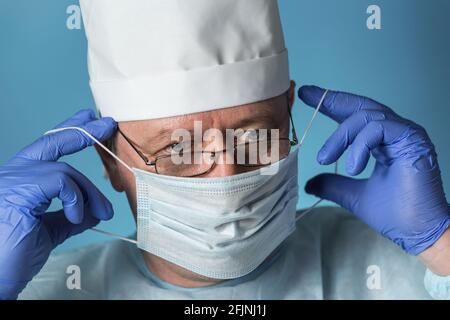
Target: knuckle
60	177
369	115
375	125
360	102
420	136
370	104
415	130
421	131
82	138
332	100
48	143
63	167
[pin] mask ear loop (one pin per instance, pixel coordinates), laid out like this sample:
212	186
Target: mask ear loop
114	235
316	112
112	155
95	140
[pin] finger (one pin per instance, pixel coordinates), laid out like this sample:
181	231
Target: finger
341	190
60	229
78	119
375	134
338	105
99	206
63	187
55	145
339	141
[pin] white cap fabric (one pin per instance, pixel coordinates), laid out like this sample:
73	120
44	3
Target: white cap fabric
152	59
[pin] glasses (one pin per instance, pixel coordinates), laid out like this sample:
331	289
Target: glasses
196	162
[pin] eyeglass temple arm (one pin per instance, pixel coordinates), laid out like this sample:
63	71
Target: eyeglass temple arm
294	133
146	160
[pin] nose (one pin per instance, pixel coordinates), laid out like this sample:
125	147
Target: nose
224	170
224	166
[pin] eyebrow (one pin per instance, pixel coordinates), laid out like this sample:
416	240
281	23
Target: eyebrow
263	117
162	141
163	136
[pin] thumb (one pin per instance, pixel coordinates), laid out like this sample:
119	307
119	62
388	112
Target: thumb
341	190
60	229
51	147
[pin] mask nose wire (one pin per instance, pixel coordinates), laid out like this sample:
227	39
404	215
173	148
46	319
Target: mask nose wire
112	155
316	112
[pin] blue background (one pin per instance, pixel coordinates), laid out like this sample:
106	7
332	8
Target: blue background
44	80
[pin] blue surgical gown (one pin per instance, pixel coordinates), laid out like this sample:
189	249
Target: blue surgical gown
331	255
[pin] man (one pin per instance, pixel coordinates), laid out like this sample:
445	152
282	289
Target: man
221	228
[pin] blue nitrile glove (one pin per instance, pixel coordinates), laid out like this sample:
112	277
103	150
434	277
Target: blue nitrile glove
403	199
28	183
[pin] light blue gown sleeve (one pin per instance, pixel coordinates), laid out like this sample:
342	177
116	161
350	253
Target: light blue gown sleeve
438	287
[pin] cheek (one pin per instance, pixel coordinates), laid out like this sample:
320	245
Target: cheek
131	196
127	180
129	186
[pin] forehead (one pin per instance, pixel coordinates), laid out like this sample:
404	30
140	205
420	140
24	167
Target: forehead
150	134
269	110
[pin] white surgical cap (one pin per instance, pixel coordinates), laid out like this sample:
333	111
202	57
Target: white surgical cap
152	59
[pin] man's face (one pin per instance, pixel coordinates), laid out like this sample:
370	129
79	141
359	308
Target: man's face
151	137
155	137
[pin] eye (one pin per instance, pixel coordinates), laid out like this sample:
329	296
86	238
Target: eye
175	147
252	136
178	147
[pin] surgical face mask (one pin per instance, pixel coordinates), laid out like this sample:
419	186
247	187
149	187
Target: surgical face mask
221	227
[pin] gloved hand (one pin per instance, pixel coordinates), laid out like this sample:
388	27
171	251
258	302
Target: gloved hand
403	199
28	183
